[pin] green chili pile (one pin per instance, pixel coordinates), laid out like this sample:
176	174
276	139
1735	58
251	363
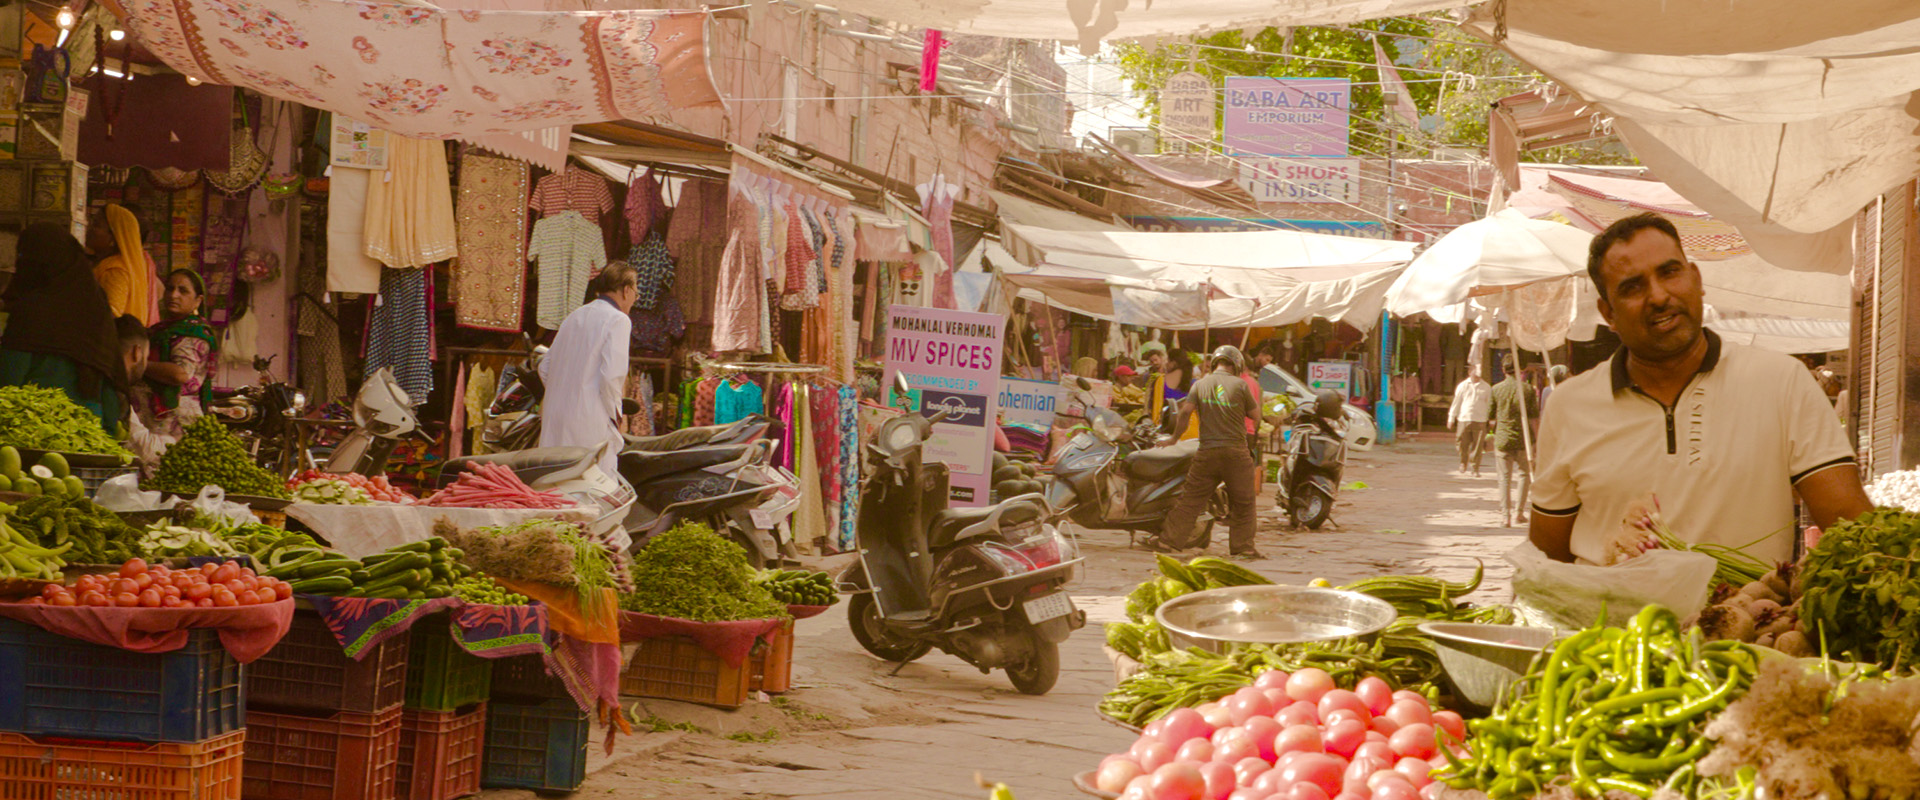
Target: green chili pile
1615	709
44	419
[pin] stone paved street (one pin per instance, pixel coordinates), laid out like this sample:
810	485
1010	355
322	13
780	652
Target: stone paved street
851	731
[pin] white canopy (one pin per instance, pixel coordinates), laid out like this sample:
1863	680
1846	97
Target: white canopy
1781	117
1502	251
1187	281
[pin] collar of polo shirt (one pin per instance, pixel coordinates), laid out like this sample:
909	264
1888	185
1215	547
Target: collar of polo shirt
1622	381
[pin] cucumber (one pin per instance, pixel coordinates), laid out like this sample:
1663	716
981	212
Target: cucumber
421	546
409	579
438	590
405	561
314	569
359	576
289	555
332	584
387	593
379	557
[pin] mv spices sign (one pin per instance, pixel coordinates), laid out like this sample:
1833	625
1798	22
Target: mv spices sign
951	359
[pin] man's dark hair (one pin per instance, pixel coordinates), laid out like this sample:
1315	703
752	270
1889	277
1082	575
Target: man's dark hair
614	277
130	331
1622	230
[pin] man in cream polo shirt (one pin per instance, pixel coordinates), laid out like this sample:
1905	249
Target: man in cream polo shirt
1723	435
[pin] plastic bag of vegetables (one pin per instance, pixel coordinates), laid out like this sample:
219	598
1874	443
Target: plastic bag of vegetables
1571	596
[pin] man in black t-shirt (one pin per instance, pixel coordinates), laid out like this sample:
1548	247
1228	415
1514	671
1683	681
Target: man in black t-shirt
1224	404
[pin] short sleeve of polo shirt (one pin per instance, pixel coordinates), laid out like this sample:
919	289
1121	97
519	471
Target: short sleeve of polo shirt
1554	493
1815	439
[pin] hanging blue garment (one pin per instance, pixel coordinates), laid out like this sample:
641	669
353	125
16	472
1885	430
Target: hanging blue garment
736	399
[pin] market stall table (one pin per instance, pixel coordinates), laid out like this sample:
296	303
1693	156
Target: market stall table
360	530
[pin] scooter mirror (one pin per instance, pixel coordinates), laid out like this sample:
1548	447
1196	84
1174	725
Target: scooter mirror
629	407
1085	385
902	391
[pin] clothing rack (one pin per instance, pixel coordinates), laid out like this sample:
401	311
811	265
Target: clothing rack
769	367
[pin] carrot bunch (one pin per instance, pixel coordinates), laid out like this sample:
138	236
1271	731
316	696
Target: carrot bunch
493	486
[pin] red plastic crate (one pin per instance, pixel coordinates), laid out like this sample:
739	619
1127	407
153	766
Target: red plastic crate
346	756
677	668
440	753
45	769
772	661
309	672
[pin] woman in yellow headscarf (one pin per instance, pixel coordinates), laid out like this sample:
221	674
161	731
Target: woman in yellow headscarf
122	267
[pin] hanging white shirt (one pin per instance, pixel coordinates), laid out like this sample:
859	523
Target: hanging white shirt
586	373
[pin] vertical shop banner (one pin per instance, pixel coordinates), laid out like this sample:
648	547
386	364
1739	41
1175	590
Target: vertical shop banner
951	359
1287	116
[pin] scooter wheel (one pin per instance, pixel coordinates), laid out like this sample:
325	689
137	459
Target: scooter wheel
1313	510
863	615
1036	673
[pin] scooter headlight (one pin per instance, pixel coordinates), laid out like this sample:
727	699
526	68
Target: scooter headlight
899	434
1085	461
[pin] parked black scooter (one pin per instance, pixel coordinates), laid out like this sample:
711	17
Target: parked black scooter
1316	455
1112	478
262	415
731	487
984	584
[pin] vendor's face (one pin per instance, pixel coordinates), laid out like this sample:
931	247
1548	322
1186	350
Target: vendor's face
181	298
1157	360
1123	380
1653	298
99	236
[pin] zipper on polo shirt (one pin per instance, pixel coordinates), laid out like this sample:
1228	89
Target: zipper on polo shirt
1673	442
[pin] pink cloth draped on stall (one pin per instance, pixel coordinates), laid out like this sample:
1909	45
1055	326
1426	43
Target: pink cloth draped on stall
432	73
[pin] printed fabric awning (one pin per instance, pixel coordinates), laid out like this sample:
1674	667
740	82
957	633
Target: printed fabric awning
430	73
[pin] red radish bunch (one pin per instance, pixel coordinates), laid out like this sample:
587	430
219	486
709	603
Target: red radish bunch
377	488
493	486
1290	737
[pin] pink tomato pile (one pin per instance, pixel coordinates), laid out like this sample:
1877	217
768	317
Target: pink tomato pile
1289	737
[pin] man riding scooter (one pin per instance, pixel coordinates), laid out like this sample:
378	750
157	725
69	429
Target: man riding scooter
1224	404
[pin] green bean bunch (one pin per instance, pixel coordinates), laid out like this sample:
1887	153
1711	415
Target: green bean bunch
1614	709
1187	678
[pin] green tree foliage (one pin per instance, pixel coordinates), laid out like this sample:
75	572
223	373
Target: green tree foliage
1475	74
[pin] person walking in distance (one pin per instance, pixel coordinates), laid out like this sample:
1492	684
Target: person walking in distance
586	369
1467	417
1513	408
1223	404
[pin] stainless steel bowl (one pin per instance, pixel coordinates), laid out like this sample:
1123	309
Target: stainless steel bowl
1217	620
1482	659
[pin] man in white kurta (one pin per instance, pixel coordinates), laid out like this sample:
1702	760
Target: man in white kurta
586	369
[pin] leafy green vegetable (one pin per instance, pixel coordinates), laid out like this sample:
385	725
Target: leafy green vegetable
690	572
207	455
1859	590
45	419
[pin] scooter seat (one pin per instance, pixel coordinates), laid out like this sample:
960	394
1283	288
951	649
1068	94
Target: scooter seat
684	438
948	523
639	466
551	464
1161	463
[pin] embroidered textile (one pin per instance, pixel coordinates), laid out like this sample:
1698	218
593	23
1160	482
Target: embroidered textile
489	280
573	190
655	331
433	73
410	206
849	425
569	251
735	399
696	237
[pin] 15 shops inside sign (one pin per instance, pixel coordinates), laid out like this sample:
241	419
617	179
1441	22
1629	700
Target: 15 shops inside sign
1302	180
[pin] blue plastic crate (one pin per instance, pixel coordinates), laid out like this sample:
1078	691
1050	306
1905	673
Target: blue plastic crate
538	746
51	685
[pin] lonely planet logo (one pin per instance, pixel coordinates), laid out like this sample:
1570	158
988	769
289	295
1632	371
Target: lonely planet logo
962	409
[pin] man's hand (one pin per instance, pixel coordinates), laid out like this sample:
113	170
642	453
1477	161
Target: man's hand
1553	535
1834	494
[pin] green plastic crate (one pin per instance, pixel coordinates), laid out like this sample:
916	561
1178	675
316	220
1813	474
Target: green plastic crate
442	675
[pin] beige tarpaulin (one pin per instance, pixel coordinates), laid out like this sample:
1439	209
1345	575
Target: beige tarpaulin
1781	117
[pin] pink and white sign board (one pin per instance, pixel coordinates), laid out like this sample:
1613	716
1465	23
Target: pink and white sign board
1298	117
951	359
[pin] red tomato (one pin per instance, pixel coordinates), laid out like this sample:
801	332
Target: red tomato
1450	722
1320	770
94	598
133	567
1299	739
227	571
282	590
35	600
1375	693
1410	712
124	586
208	569
51	589
246	572
150	598
171	602
87	583
204	602
126	599
199	591
183	580
1413	741
236	586
1345	737
1337	699
63	600
169	590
